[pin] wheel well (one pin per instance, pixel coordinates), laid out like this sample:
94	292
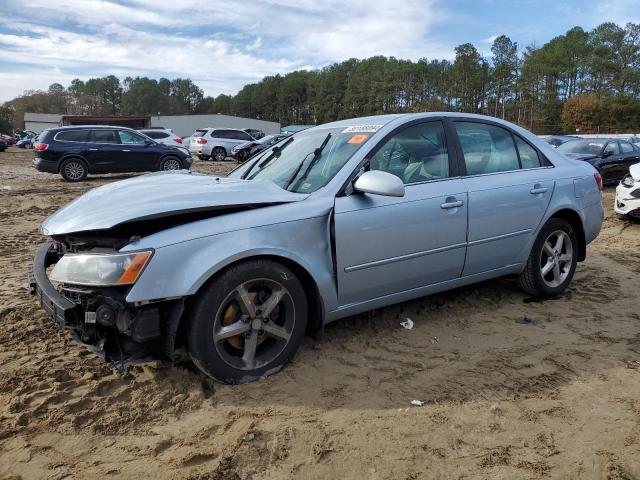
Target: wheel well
572	217
69	157
314	325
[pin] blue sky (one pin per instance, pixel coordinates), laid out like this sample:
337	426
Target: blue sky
224	44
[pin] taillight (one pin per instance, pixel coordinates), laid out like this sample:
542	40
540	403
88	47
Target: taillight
40	147
201	141
178	139
598	178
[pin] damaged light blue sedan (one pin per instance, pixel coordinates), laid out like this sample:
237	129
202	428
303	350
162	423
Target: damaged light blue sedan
336	220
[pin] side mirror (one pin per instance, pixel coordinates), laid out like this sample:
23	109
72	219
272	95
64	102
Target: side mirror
148	143
378	182
607	153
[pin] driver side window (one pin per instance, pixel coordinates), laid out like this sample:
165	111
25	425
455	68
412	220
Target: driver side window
416	154
130	138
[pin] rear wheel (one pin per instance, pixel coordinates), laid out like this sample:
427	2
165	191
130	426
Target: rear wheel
218	154
248	322
203	157
170	163
73	170
552	261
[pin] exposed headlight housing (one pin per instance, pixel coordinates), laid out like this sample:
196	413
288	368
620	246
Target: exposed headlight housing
628	181
100	270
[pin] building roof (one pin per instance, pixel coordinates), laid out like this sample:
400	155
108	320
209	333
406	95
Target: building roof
42	117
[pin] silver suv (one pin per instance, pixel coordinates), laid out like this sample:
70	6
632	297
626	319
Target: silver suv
216	143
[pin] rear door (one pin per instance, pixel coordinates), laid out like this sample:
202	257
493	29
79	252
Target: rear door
509	188
103	152
630	155
612	166
387	245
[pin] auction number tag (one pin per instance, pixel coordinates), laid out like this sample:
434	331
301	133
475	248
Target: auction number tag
362	129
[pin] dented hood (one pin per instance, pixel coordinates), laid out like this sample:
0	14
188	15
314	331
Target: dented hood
159	195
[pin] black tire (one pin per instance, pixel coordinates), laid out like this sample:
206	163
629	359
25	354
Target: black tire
171	163
218	312
74	170
204	157
218	154
532	280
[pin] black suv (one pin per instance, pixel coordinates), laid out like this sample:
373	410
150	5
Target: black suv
76	151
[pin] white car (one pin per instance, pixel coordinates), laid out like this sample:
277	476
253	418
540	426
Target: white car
216	143
165	136
627	203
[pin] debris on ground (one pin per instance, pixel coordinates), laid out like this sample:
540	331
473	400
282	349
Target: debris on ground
407	324
417	403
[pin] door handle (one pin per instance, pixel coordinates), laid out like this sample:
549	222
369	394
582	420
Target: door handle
126	150
537	190
453	204
93	149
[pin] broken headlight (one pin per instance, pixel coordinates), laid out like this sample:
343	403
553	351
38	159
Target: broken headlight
628	181
100	270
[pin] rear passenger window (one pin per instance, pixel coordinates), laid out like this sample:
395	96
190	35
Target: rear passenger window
104	136
242	136
199	133
486	148
72	136
221	134
626	147
416	154
528	156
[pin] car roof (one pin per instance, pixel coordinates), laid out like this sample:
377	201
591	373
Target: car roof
93	127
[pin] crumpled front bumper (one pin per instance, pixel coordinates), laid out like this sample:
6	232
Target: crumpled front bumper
61	309
136	330
627	201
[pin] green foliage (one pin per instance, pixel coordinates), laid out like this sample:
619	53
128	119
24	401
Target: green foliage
532	87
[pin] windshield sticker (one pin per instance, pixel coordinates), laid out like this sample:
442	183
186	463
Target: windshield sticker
362	129
358	139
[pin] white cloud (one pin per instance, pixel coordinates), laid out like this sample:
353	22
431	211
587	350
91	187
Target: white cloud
221	45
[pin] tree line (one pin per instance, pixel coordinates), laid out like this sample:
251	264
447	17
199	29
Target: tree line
586	81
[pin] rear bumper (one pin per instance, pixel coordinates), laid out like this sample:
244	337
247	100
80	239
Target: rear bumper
43	165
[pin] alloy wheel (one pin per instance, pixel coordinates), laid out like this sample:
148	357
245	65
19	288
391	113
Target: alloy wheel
219	155
171	164
74	170
254	324
556	258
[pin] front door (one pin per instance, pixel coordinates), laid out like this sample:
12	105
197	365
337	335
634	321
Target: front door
387	245
509	191
135	154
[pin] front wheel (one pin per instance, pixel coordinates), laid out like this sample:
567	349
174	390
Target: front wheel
170	163
552	261
247	322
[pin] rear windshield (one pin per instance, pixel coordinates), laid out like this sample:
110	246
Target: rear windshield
199	133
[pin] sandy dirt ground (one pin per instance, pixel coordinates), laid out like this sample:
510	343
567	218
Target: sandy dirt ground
558	397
